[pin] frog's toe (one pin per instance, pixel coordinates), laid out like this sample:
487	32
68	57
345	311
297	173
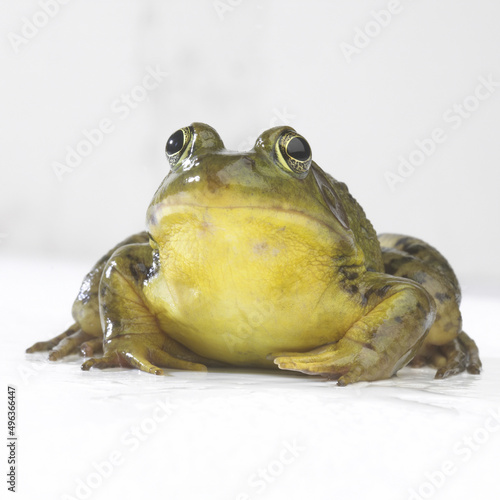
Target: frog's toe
456	356
347	360
47	345
418	361
164	359
115	359
110	360
454	362
350	377
69	345
147	358
91	347
327	361
474	364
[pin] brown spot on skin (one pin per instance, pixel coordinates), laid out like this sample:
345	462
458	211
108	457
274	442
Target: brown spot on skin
393	265
420	307
133	271
403	241
382	291
366	296
414	249
442	297
353	289
348	275
419	277
398	319
260	247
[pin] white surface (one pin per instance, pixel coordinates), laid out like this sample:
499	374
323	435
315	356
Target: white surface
263	63
224	432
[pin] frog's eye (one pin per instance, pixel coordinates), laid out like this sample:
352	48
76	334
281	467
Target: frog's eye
177	146
294	153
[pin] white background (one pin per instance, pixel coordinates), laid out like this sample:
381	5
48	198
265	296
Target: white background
243	67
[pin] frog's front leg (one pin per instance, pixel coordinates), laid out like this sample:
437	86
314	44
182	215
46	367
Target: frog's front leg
396	314
85	335
132	336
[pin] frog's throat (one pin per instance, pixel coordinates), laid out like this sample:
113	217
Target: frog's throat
164	209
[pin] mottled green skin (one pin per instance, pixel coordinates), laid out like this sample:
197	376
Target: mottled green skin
345	304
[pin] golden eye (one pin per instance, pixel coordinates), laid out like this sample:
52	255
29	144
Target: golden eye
294	153
177	146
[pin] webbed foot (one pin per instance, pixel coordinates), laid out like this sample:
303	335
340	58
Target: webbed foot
346	361
136	351
459	355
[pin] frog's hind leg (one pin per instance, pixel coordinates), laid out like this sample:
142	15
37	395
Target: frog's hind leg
64	344
47	345
446	346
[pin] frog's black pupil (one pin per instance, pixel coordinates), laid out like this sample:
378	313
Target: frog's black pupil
175	142
299	149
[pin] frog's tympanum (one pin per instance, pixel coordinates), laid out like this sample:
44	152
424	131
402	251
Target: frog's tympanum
261	259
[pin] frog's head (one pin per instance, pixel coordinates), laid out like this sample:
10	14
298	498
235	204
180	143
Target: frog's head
274	186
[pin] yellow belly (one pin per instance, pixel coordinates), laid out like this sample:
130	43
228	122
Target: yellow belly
236	285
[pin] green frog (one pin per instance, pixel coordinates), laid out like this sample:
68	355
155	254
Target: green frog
261	259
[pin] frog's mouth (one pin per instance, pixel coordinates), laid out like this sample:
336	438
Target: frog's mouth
173	213
211	233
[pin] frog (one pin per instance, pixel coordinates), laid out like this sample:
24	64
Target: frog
262	260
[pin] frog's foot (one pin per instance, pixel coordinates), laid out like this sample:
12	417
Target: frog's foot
135	351
64	344
346	360
452	358
474	364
